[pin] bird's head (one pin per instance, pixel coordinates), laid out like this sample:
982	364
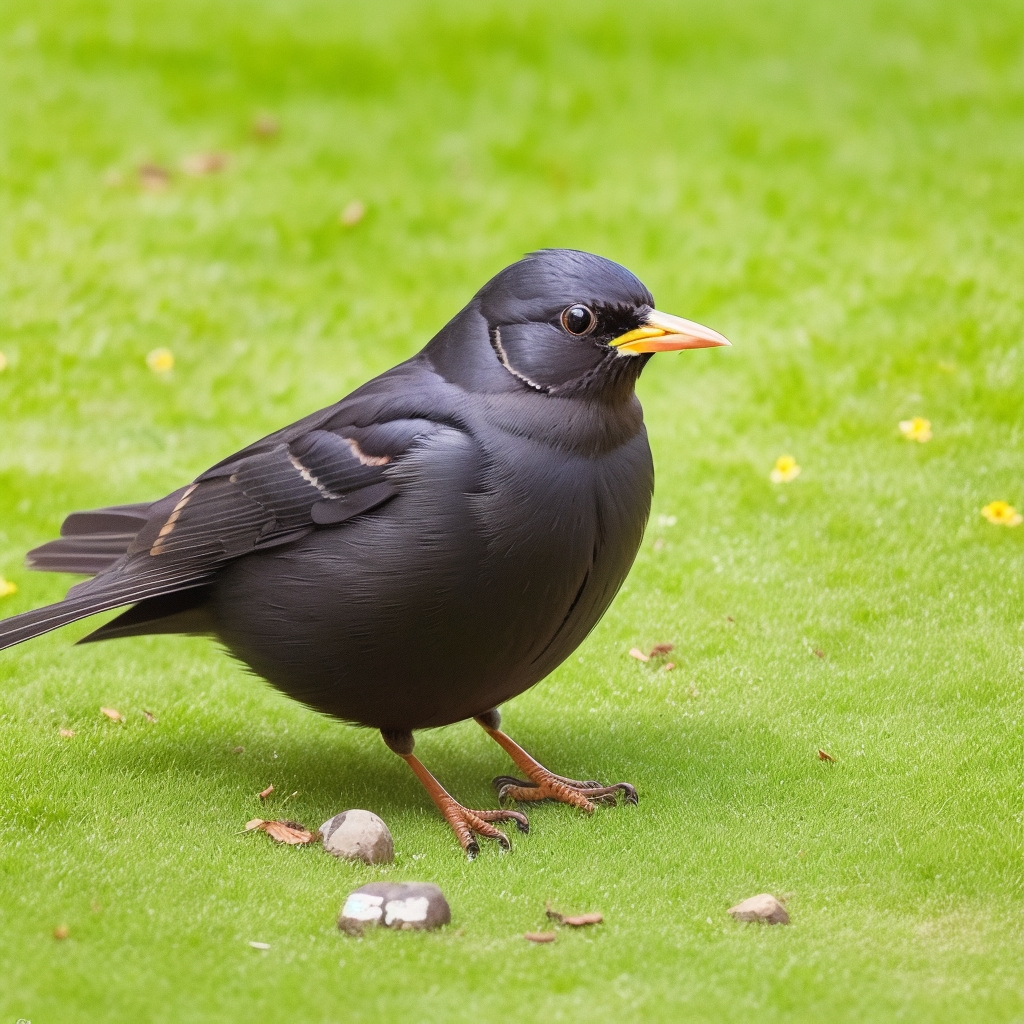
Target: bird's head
563	322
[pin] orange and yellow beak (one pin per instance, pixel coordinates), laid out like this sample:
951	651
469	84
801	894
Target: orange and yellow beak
666	333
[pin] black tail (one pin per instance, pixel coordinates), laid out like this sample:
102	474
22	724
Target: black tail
19	628
90	542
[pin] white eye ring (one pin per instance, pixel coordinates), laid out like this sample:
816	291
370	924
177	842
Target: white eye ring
578	319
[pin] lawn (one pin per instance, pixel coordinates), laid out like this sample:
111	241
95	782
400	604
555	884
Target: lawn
837	188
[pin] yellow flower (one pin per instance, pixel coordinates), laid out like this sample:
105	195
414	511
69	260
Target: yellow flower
160	360
1002	513
7	588
917	429
3	362
785	470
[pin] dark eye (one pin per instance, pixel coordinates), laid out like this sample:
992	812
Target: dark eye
578	319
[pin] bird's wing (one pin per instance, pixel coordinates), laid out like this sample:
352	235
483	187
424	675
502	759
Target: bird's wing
269	495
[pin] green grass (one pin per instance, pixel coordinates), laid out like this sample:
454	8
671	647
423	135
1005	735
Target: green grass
835	187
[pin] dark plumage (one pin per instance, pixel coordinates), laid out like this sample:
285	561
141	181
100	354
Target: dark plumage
430	546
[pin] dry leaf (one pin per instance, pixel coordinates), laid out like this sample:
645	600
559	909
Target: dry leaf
539	936
200	164
267	792
818	652
575	920
113	714
729	618
352	214
823	756
290	832
153	177
659	649
265	126
150	717
61	931
635	652
669	665
238	750
67	733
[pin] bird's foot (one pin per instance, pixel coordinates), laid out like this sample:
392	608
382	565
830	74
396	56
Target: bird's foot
545	785
467	825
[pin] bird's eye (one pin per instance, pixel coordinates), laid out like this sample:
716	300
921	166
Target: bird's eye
578	319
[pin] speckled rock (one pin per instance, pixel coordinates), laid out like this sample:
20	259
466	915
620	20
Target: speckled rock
764	908
358	835
401	905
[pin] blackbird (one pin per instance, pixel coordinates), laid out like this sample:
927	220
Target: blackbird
430	546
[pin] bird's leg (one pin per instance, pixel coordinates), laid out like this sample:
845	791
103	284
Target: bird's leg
466	824
540	784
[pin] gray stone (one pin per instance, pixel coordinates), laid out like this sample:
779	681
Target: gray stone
764	908
358	835
401	905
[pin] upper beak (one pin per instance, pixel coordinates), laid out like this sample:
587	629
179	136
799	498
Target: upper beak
663	332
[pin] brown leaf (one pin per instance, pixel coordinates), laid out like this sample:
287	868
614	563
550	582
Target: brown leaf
200	164
267	792
290	832
238	750
669	665
729	618
352	214
818	652
635	652
113	714
150	717
61	932
539	936
153	177
574	920
659	649
823	756
265	126
67	733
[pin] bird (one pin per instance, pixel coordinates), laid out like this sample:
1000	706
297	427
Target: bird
425	549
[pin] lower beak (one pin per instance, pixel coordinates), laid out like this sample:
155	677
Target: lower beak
663	332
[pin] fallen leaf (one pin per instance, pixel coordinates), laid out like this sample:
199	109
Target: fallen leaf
265	126
659	649
67	733
539	936
113	714
818	652
7	587
61	931
1002	513
669	665
160	360
260	945
575	920
916	429
153	177
824	756
150	717
238	750
352	214
200	164
635	652
785	470
267	792
729	618
290	832
253	823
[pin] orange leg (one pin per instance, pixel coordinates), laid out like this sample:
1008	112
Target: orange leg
540	784
466	824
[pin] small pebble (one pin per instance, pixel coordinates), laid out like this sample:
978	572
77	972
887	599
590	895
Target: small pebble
760	908
400	905
358	835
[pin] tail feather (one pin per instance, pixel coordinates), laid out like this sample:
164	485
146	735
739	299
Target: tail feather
91	542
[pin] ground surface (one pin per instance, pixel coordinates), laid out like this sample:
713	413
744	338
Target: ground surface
837	188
